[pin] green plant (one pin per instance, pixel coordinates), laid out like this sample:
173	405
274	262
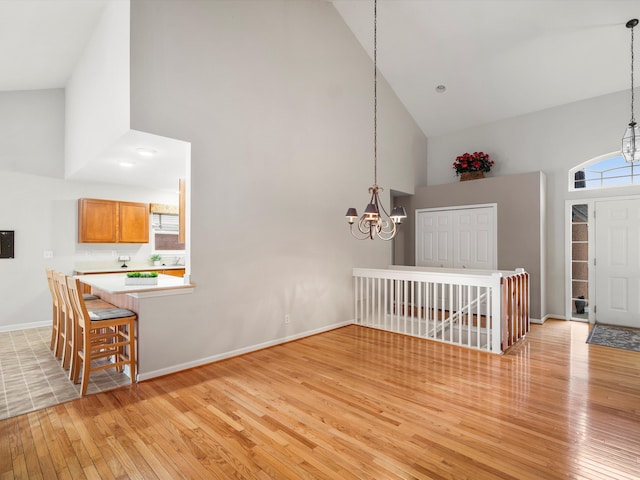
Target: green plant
142	274
156	257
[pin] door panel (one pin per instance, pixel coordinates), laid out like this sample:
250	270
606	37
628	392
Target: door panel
617	269
433	244
473	240
456	238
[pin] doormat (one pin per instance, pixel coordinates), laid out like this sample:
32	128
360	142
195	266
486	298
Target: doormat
616	337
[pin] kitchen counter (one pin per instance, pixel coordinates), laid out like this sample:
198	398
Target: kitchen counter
144	268
113	283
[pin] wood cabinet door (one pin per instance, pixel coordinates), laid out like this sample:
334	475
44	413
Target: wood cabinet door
133	224
176	272
97	220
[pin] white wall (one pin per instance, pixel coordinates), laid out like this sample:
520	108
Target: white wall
32	132
97	94
552	141
276	98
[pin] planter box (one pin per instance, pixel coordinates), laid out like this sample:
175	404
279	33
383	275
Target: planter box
140	281
464	176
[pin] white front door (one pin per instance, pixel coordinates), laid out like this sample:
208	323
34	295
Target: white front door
617	262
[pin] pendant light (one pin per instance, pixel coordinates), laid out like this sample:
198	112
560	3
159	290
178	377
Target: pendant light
631	139
375	222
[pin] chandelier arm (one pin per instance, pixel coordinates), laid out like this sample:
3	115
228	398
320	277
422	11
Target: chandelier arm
387	234
382	206
365	236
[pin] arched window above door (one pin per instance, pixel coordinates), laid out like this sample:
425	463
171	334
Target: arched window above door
606	171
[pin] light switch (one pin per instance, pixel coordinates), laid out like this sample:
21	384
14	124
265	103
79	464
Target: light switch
48	254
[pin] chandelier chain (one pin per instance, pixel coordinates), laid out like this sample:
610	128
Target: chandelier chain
375	92
632	92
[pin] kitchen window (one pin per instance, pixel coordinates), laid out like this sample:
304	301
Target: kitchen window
164	238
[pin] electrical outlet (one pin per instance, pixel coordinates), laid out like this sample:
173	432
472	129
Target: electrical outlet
287	318
48	254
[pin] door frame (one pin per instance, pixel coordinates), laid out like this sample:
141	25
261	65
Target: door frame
493	206
591	225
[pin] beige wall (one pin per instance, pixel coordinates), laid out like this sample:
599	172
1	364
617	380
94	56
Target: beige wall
520	200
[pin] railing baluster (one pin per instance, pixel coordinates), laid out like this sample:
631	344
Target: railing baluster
419	307
398	307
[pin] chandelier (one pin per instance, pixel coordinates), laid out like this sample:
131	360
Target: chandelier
375	222
631	139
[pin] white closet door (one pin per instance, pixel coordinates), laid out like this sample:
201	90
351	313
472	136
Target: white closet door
434	240
473	238
617	269
456	238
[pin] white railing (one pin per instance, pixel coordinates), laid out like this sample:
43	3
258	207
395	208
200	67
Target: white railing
473	308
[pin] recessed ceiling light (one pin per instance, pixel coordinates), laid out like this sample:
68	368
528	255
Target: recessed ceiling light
126	164
441	89
146	152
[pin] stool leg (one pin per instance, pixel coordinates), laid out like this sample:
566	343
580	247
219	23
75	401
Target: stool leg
132	350
54	329
86	364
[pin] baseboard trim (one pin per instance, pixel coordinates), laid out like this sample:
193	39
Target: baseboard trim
235	353
24	326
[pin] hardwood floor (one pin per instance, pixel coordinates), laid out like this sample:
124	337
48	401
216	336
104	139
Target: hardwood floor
354	403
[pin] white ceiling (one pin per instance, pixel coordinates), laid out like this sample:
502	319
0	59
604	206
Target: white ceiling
41	40
497	58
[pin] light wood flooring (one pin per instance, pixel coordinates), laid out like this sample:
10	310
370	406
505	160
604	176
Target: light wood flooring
354	403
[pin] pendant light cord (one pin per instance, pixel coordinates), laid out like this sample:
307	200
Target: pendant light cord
375	92
632	92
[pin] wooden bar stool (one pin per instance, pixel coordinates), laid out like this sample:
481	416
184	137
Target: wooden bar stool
104	333
56	338
66	319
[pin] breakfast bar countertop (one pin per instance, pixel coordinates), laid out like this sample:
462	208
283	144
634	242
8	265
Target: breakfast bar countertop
114	283
134	268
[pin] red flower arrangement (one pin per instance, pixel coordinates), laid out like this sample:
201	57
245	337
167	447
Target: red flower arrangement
473	162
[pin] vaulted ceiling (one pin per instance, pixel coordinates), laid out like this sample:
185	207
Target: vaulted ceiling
496	58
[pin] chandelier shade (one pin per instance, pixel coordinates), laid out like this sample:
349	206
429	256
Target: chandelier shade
631	138
631	143
375	222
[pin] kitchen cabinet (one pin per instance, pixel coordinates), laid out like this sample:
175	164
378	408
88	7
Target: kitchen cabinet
111	221
176	272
